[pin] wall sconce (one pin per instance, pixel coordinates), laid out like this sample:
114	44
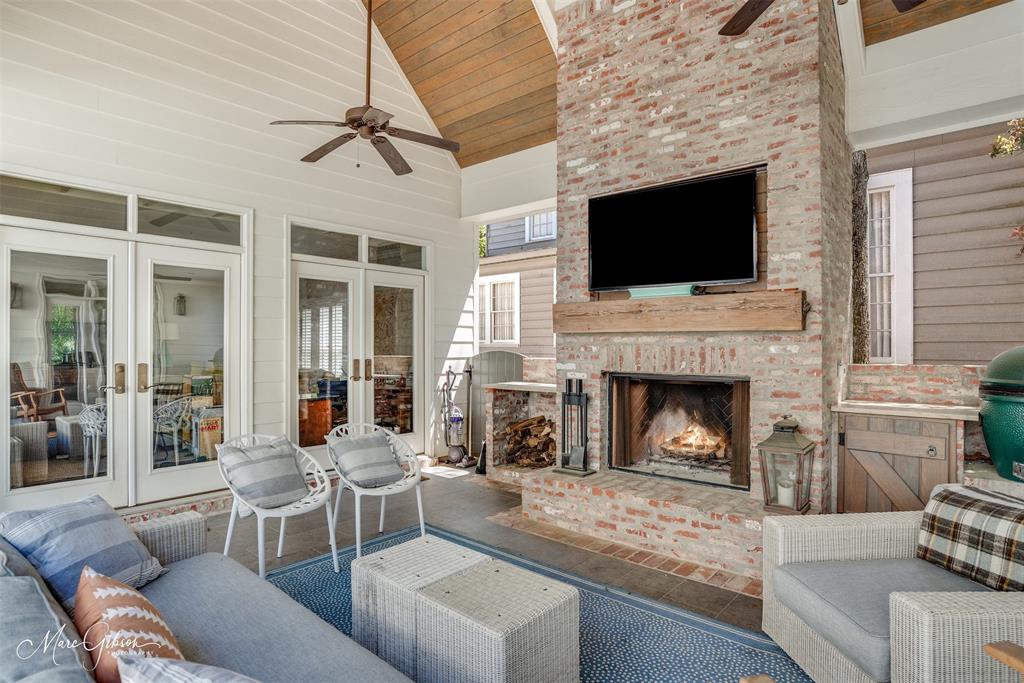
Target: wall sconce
16	298
180	303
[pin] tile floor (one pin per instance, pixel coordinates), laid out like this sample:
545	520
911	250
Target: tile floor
462	506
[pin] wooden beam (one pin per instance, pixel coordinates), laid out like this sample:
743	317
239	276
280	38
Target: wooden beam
763	311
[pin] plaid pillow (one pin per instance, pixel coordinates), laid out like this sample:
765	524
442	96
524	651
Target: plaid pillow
366	461
974	533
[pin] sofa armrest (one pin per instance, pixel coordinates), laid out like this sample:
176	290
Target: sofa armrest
940	637
174	537
831	538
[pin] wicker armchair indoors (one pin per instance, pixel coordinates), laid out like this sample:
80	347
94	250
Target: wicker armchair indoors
936	637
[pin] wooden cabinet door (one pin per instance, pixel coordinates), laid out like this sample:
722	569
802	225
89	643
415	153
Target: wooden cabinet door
891	464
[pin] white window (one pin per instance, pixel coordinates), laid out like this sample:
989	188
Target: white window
541	226
891	266
498	309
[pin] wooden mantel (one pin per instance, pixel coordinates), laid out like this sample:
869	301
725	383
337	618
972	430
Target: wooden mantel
760	311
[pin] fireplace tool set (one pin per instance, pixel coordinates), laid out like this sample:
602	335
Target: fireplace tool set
574	429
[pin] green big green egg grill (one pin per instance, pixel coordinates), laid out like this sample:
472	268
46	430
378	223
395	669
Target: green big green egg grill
1002	412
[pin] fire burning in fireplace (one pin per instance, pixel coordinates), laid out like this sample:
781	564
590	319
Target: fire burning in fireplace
677	433
682	428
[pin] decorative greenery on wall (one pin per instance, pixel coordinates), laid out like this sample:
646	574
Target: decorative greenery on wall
1005	145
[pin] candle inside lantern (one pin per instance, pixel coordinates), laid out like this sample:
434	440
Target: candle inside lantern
784	493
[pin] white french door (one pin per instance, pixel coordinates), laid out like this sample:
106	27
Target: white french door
64	343
187	367
393	354
123	366
357	352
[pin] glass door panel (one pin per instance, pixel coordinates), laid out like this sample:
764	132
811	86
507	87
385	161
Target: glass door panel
394	353
65	339
326	361
188	394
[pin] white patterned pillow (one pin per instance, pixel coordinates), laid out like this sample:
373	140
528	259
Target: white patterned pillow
266	475
366	461
136	669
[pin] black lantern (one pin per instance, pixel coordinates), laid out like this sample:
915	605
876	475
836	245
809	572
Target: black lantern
786	461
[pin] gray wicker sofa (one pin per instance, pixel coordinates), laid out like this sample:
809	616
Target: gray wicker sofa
846	598
221	614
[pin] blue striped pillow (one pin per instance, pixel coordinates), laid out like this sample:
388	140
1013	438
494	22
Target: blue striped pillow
60	540
266	475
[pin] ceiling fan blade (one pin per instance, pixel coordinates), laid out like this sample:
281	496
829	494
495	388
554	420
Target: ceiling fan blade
744	17
218	224
423	138
166	218
391	155
376	117
328	147
905	5
308	123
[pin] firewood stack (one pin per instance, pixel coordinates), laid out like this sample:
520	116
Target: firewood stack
531	442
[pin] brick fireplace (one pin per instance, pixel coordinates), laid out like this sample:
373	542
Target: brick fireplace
649	93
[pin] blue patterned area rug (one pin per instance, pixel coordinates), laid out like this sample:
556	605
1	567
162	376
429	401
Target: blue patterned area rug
623	637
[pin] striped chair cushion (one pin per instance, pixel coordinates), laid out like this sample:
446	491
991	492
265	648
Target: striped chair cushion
114	619
60	540
974	533
266	475
135	669
367	461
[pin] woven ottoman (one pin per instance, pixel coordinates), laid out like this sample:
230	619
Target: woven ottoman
497	623
384	586
69	436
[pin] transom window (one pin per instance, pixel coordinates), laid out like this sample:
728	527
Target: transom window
498	297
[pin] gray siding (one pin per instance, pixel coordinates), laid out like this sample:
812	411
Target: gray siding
968	278
509	237
536	298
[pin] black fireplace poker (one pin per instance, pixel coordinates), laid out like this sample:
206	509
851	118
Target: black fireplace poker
574	430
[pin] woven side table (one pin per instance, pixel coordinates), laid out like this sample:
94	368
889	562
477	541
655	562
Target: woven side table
69	435
384	586
497	623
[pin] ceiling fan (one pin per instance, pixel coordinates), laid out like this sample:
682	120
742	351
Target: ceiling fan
752	9
369	123
168	218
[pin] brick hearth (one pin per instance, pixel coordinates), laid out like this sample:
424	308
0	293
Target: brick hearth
709	526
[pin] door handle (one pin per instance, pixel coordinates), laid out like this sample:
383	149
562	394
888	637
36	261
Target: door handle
355	370
368	369
118	385
142	378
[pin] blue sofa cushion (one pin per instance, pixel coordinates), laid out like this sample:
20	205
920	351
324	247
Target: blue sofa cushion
33	647
13	563
847	603
224	615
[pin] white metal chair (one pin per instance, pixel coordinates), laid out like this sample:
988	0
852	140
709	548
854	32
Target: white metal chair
406	459
319	496
168	419
93	421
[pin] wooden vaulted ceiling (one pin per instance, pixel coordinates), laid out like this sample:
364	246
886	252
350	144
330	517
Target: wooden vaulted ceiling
484	69
881	20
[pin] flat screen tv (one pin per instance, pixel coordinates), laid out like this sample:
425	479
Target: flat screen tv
695	232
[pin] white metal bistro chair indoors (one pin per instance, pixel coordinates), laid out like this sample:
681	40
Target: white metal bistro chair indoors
93	421
168	420
406	459
319	496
